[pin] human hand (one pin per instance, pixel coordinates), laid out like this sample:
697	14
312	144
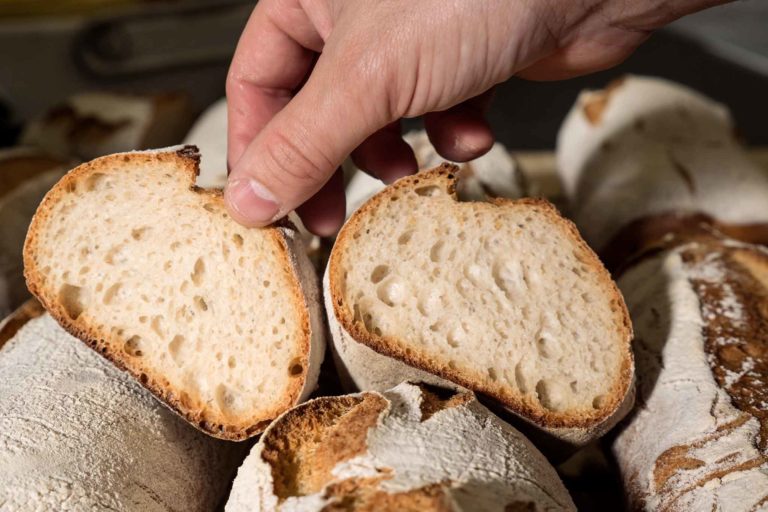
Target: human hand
315	80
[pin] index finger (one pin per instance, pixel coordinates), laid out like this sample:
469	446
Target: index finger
274	54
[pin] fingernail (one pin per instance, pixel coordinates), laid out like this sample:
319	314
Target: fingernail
252	201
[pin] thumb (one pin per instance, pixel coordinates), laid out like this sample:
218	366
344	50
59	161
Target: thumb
298	151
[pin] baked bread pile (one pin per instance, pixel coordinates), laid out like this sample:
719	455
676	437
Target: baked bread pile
685	200
478	337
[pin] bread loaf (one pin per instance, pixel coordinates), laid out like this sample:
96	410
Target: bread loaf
501	297
495	174
413	448
209	134
644	149
26	175
698	439
93	124
77	434
221	322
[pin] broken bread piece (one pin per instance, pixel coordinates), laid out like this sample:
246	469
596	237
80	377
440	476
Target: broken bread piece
501	297
412	448
219	321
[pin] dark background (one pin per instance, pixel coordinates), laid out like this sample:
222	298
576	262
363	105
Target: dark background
151	46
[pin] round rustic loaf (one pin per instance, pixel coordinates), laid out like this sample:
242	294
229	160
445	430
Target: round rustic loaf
78	434
645	148
415	447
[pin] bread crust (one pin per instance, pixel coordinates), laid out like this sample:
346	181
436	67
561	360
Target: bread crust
379	451
12	323
445	175
699	436
187	159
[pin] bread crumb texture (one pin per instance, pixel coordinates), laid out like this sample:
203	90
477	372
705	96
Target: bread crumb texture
153	274
414	448
502	297
699	439
78	434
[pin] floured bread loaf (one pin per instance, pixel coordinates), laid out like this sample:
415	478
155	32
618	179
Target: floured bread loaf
644	149
26	175
501	297
413	448
698	439
495	174
93	124
209	134
77	434
219	321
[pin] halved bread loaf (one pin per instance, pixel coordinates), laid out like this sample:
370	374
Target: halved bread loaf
219	321
501	297
412	448
77	434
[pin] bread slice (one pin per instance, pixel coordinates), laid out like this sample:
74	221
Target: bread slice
502	297
411	448
494	174
78	434
219	321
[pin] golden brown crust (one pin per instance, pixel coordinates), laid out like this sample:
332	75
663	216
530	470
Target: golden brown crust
187	161
10	326
666	230
445	175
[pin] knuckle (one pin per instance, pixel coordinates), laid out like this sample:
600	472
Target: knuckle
292	160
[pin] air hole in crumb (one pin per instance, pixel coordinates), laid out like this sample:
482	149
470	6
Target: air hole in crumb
598	401
156	325
175	346
209	207
428	191
70	297
226	398
138	233
492	374
404	238
143	378
142	319
520	378
231	362
379	273
200	303
575	386
92	181
391	292
198	272
436	252
296	368
266	283
110	294
238	240
132	346
377	331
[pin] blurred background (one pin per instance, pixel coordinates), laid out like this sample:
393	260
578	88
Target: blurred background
180	50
